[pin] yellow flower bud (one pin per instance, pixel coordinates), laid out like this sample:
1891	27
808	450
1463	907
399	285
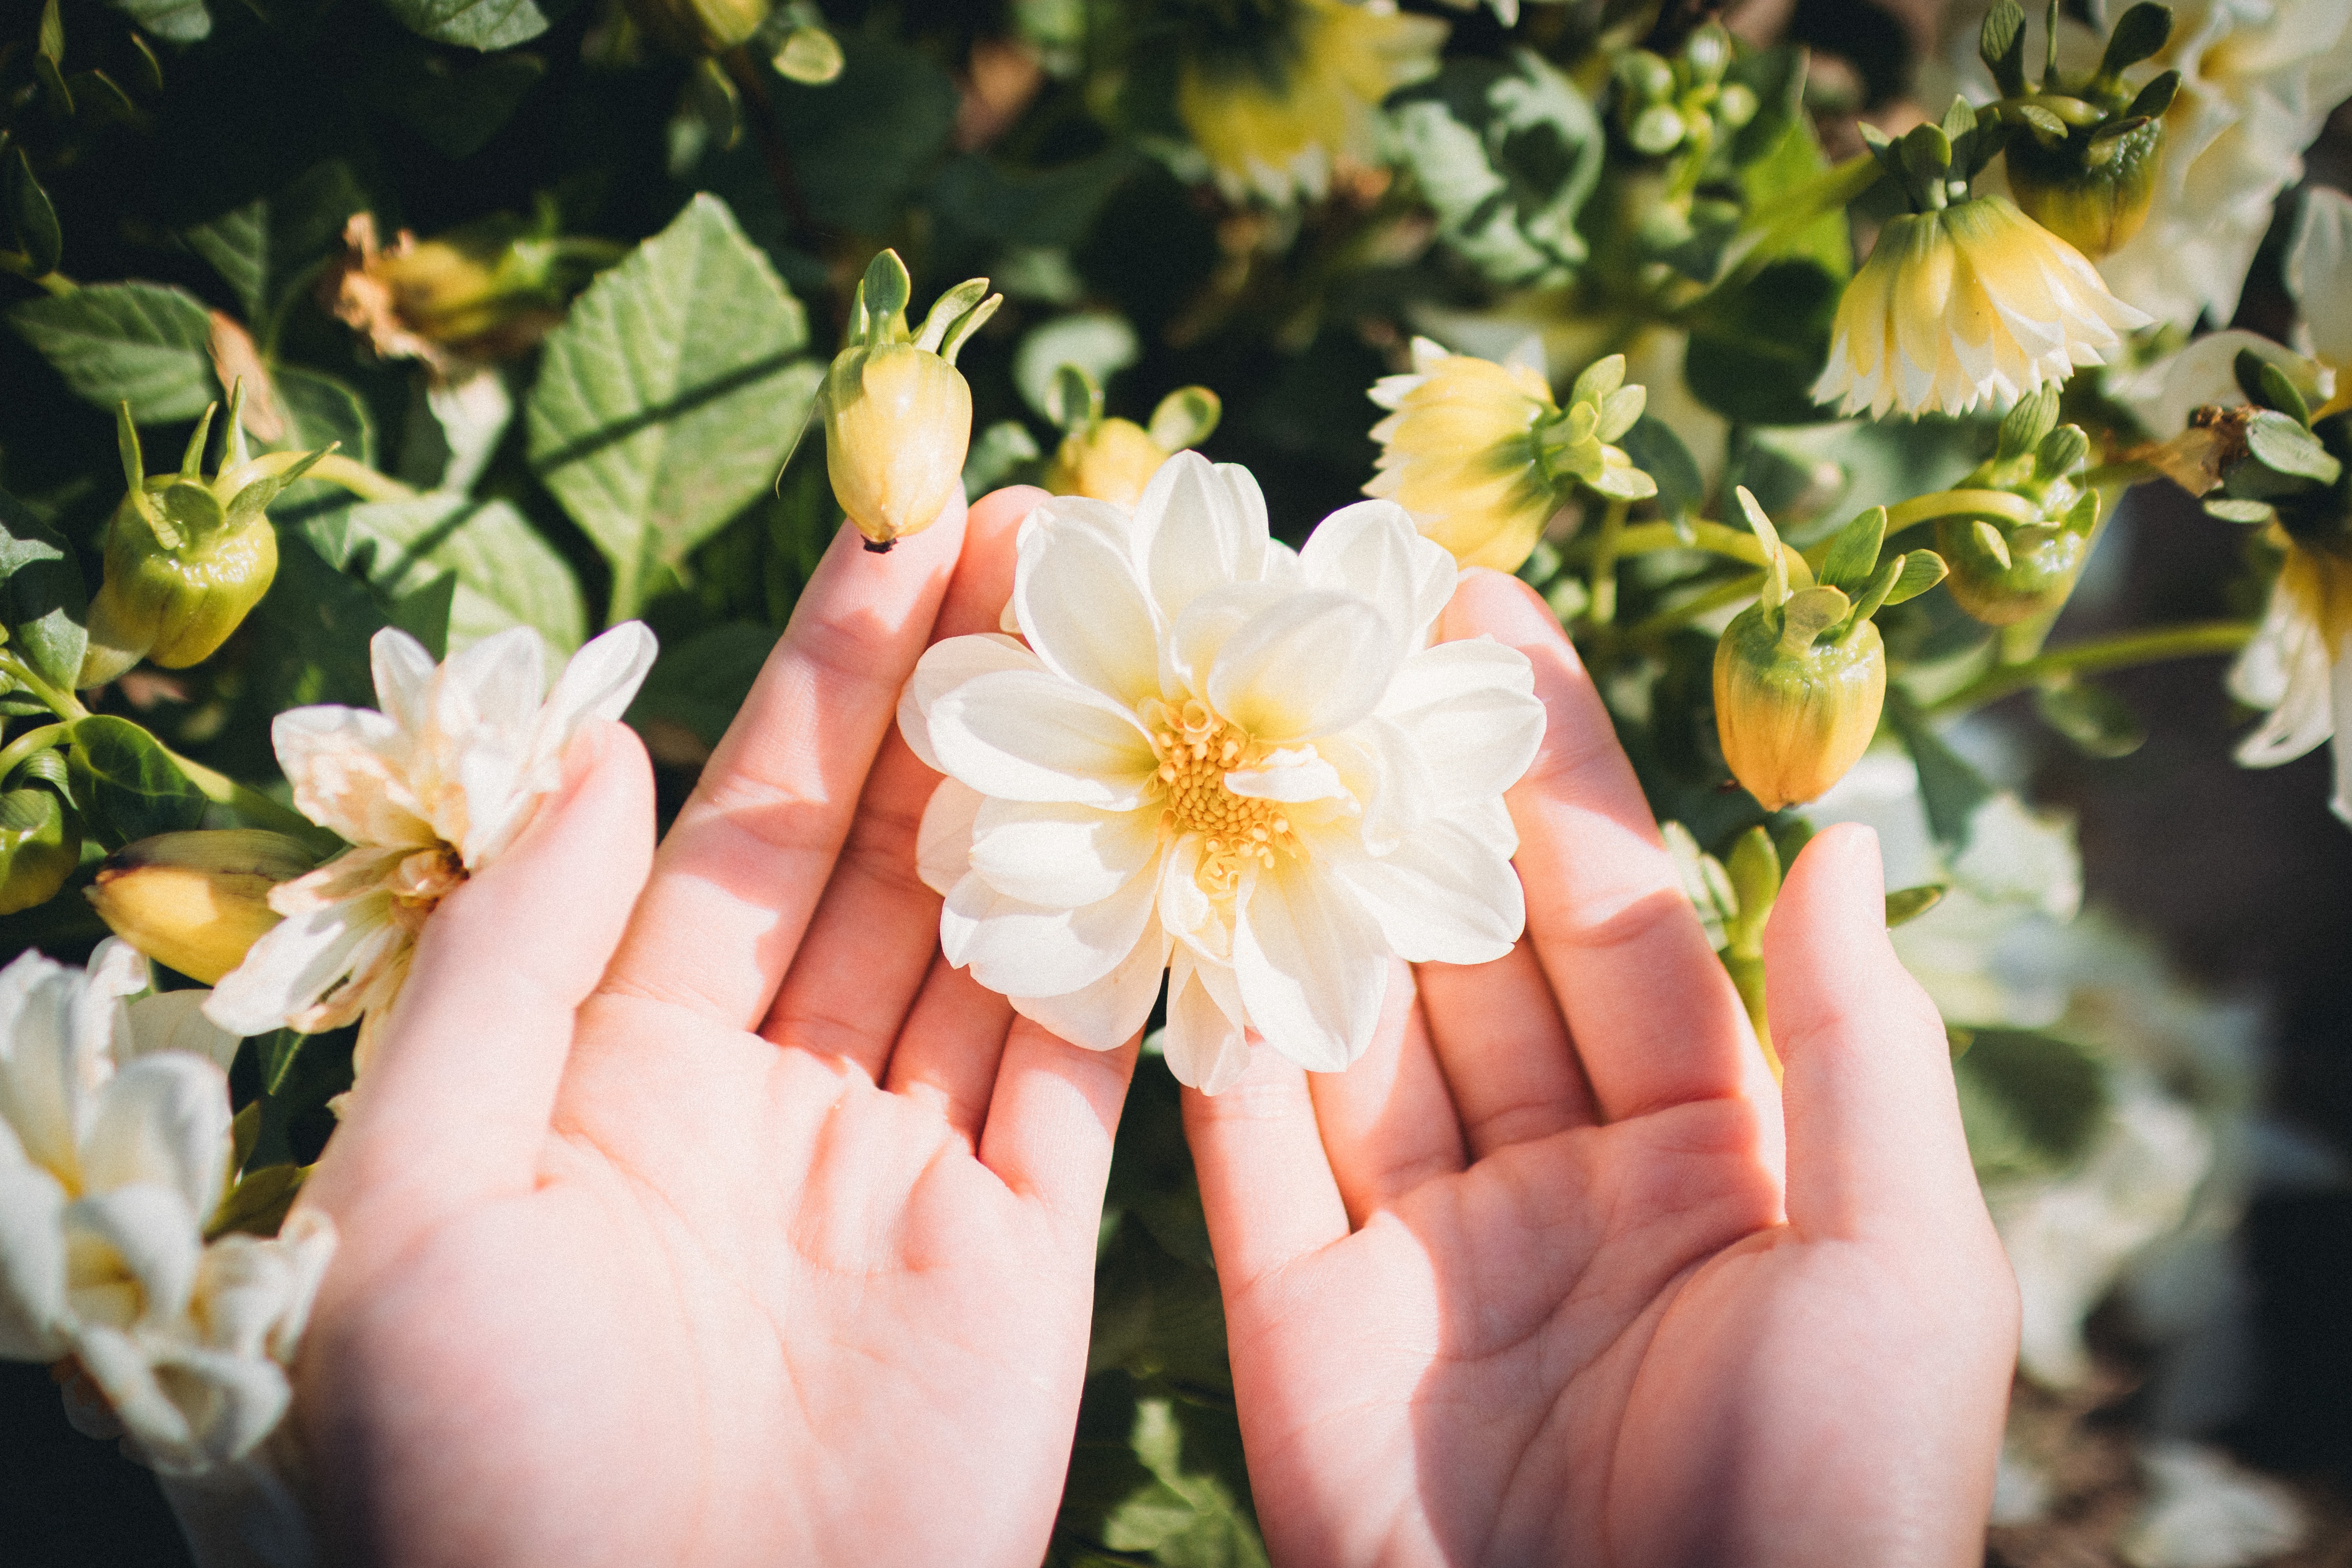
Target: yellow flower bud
1112	461
1793	714
186	557
196	901
1458	452
40	844
898	414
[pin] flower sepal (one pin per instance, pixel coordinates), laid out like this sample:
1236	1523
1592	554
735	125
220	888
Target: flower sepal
1576	445
2003	570
2086	168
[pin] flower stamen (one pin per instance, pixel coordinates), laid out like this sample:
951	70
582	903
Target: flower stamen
1196	750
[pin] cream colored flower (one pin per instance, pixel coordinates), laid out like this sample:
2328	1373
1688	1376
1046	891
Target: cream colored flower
1969	303
1213	755
434	787
1458	454
1278	124
2258	80
114	1144
2299	665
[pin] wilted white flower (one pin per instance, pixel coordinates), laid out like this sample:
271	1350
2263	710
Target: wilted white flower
1965	304
432	788
114	1144
2258	78
1218	756
2205	1511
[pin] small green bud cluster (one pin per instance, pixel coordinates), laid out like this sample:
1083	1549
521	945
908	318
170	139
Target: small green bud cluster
1800	675
1575	445
2277	463
898	414
2085	167
1937	164
2005	571
186	557
1663	106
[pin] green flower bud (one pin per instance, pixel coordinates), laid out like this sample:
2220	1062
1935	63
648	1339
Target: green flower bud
2092	191
1799	676
186	557
197	901
698	28
898	414
2002	574
40	844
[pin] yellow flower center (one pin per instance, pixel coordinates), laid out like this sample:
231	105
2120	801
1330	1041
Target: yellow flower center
420	882
1196	750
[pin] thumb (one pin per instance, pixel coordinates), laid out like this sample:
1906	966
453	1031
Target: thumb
1874	1121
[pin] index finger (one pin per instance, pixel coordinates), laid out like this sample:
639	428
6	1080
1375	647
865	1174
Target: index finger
1653	1014
741	869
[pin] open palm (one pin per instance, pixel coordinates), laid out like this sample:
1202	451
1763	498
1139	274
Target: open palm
1527	1285
769	1241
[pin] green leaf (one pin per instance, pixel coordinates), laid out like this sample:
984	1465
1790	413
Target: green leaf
2282	445
502	573
179	21
979	200
257	1205
1506	155
456	102
127	782
475	24
266	247
2139	33
144	342
668	397
864	142
41	594
322	412
32	221
699	683
1906	904
1922	570
1658	452
1949	788
1852	559
311	632
1756	349
2031	1103
2098	722
1790	163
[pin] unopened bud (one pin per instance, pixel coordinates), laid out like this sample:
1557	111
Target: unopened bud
898	414
1111	461
2004	576
196	901
2094	192
698	27
1794	714
40	844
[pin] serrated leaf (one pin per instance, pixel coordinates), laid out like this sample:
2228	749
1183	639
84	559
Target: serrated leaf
179	21
142	343
2098	722
127	783
503	573
474	24
264	247
42	596
666	400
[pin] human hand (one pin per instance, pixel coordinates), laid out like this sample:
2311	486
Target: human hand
1523	1284
774	1240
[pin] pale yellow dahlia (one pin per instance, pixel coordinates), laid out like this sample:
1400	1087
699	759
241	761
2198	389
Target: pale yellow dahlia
1458	454
1275	125
1964	304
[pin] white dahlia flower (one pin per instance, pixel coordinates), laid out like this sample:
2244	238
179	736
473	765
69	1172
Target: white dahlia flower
429	791
1966	305
1214	755
114	1145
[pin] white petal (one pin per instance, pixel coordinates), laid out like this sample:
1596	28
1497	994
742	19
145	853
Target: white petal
149	1233
294	963
48	1068
1020	950
946	666
229	1404
404	677
1024	735
1473	705
1310	664
1312	965
1060	856
1109	1013
123	1370
1084	611
2305	713
349	768
176	1021
2342	745
1392	782
163	1120
1207	1046
2319	272
33	1316
598	682
1289	778
1372	551
943	844
1442	897
1211	618
1196	529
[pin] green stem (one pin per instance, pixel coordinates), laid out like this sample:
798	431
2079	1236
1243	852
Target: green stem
55	283
63	704
1997	505
1604	564
1712	537
1746	969
1746	586
2190	640
28	745
360	480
